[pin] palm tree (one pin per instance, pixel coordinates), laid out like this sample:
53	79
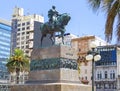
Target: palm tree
112	8
18	62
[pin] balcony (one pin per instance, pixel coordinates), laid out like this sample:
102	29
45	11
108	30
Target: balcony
107	79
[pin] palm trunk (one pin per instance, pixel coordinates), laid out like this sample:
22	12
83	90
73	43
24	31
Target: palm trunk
17	74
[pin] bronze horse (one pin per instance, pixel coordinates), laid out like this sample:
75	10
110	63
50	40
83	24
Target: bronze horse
59	26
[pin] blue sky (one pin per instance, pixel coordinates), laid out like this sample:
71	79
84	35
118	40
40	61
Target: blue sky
83	20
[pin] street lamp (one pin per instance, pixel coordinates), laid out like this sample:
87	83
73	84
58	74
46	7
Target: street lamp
94	56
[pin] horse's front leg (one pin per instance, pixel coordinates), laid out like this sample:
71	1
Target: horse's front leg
62	35
52	39
63	39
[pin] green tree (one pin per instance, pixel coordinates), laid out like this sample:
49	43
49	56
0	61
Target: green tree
18	62
112	9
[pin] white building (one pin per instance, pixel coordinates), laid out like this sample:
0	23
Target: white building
23	27
67	39
107	70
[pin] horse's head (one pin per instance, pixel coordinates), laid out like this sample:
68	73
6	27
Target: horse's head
64	19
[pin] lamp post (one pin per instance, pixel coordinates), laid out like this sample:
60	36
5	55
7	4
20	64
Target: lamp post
94	56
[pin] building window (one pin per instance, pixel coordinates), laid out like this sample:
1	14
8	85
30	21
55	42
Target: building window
19	25
22	38
112	85
28	23
23	28
23	33
18	43
100	75
18	29
28	28
105	74
27	37
27	46
18	33
23	24
113	75
22	47
18	39
22	42
27	51
85	71
109	86
97	86
105	86
27	32
86	78
27	42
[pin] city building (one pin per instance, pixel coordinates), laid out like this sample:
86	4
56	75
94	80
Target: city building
107	70
22	36
23	27
83	45
3	69
5	39
5	36
67	39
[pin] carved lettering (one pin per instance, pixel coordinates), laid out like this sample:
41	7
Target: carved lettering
69	54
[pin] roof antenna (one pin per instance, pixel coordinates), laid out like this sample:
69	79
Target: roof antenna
28	12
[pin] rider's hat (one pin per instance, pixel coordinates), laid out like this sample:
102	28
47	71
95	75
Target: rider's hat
53	7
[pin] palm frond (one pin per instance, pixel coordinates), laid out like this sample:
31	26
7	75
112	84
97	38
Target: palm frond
107	4
95	4
110	21
18	60
118	29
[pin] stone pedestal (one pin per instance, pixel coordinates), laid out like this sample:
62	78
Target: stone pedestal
55	75
52	87
53	69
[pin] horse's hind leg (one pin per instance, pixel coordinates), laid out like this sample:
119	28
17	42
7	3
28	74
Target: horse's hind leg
41	40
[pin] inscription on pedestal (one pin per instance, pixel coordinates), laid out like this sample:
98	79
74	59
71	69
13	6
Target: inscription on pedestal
56	51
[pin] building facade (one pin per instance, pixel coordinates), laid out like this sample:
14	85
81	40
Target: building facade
5	36
5	41
23	27
83	45
107	69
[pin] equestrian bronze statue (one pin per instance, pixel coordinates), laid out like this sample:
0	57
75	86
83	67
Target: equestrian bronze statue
56	23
